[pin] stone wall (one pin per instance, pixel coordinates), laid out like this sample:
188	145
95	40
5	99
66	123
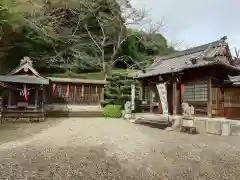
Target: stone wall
217	126
66	110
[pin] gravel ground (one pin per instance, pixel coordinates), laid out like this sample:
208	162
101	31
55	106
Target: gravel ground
101	149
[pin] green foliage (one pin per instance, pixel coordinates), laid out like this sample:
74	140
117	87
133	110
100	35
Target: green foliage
112	111
57	36
141	48
118	89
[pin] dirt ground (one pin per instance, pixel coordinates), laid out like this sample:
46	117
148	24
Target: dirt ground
101	149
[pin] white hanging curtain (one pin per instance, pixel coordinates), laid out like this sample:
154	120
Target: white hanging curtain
162	90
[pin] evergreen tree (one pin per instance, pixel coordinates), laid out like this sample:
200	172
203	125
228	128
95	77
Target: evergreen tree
118	89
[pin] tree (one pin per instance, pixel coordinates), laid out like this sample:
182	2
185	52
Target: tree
114	24
71	25
80	35
118	89
142	47
9	28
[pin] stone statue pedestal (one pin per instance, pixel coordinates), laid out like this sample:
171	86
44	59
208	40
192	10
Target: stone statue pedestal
127	110
188	120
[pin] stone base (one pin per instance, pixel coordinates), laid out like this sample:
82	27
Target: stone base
22	119
127	116
200	126
72	107
216	126
68	110
176	122
213	127
188	117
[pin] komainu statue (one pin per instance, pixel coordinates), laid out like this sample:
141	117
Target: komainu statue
188	122
188	111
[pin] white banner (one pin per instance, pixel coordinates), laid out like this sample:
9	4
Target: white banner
162	90
133	96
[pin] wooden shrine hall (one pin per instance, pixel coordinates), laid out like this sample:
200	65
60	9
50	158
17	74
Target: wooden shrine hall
204	76
23	93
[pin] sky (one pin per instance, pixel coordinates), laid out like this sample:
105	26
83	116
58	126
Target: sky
195	22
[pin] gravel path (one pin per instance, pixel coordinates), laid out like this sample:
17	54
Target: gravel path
115	149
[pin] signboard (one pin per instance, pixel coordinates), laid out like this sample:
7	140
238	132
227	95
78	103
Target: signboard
133	96
162	90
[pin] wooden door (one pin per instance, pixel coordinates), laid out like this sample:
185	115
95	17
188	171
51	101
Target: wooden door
232	103
217	102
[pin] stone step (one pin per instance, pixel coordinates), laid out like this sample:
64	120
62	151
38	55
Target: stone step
74	114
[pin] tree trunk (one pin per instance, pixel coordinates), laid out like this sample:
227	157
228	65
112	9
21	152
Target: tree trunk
112	60
105	68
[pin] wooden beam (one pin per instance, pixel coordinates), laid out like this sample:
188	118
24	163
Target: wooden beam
209	109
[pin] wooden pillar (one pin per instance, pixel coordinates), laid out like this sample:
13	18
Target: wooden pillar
82	91
9	98
174	97
102	94
36	98
97	99
151	99
141	92
75	94
209	108
43	99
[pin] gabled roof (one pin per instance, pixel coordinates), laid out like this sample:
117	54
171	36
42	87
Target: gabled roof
25	65
28	78
213	53
24	79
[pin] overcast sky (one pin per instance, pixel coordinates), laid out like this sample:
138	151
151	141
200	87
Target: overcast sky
195	22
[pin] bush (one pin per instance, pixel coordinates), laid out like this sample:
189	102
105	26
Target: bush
112	111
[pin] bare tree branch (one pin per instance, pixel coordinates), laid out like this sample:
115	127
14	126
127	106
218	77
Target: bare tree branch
95	42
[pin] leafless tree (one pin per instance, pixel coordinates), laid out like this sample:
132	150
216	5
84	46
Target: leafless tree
131	17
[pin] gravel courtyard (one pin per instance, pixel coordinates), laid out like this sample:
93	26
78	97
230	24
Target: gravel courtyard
101	149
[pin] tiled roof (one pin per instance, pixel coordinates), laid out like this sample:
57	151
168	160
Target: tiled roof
76	80
23	79
208	54
25	64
